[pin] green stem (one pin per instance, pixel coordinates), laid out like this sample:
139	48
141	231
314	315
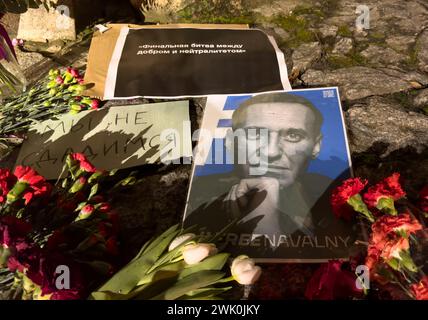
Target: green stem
228	279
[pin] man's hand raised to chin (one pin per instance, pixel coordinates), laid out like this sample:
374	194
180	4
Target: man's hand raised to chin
255	198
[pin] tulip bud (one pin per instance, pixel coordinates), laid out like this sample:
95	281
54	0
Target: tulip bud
195	253
244	270
180	240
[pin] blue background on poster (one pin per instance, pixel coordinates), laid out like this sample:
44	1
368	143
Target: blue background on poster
333	159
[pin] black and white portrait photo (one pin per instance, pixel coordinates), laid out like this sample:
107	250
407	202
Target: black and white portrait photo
272	163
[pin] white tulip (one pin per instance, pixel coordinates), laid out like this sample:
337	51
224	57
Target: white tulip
195	253
180	240
244	270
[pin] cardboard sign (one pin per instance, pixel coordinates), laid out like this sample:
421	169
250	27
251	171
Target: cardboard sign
117	137
103	44
193	62
277	189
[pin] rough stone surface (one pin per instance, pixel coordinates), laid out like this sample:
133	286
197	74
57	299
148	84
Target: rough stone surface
421	100
271	8
422	51
343	46
360	82
383	56
401	43
328	31
27	59
305	55
383	121
42	25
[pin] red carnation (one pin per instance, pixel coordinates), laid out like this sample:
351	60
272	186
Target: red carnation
7	181
389	238
44	275
13	230
29	185
332	281
386	225
73	72
420	290
388	189
28	175
95	104
25	257
78	185
342	194
66	295
84	164
392	249
59	80
86	212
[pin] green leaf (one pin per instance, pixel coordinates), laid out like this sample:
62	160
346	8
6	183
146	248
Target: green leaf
407	261
192	282
80	206
154	289
168	271
394	263
209	297
357	203
215	262
108	295
204	294
113	172
161	239
128	277
173	254
95	176
386	205
402	233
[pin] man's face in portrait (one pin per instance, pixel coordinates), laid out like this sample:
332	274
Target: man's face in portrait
294	139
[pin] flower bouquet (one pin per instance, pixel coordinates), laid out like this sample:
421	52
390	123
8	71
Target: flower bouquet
389	263
178	265
393	256
60	92
57	241
62	242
